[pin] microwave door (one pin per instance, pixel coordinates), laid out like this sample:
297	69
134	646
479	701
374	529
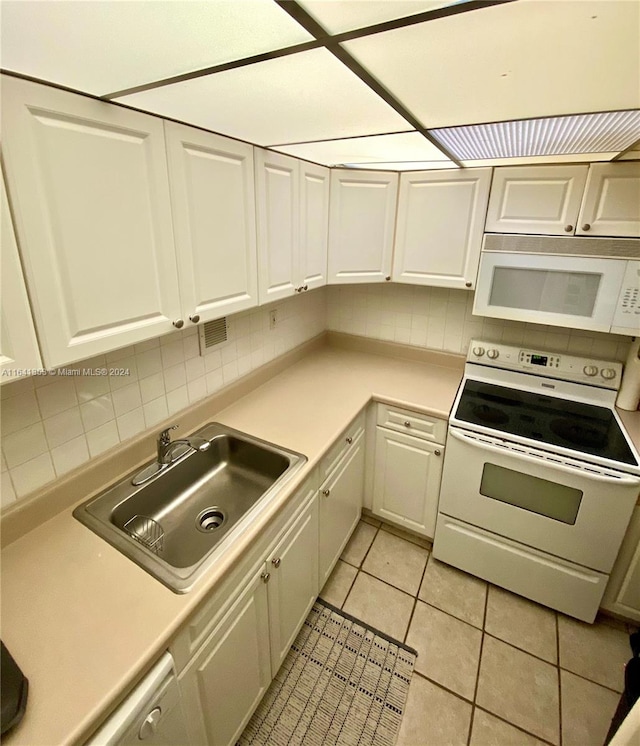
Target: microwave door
575	292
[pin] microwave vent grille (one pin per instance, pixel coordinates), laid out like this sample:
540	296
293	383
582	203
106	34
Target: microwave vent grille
609	248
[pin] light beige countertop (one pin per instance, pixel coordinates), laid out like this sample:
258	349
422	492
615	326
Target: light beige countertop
85	623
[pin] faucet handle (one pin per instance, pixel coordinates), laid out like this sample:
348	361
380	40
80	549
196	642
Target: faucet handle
165	436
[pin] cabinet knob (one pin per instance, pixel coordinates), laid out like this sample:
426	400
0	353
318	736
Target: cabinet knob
299	290
586	227
178	323
305	287
265	576
407	423
468	284
438	453
349	440
195	318
387	278
276	562
150	724
326	493
568	228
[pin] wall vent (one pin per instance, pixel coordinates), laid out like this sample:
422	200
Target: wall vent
212	333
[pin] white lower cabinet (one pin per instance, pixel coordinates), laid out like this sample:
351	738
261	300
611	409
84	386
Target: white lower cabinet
251	632
340	504
408	469
622	595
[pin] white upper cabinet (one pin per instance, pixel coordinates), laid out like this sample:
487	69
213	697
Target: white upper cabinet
440	226
90	191
611	204
18	344
213	202
293	215
314	225
536	199
361	225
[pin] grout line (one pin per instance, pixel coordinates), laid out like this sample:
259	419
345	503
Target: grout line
475	690
521	650
415	601
559	678
513	725
387	583
591	681
441	686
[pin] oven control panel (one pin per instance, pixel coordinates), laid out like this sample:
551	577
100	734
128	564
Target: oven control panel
603	373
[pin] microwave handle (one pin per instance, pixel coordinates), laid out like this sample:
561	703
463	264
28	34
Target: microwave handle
470	440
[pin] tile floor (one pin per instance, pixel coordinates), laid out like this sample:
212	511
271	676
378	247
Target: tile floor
493	669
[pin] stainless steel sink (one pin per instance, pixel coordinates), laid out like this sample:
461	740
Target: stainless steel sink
172	523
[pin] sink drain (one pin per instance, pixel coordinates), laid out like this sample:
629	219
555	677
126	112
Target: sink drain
210	519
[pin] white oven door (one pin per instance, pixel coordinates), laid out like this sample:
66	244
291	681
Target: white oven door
575	511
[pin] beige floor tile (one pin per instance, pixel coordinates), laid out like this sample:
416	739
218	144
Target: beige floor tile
448	649
487	730
520	689
359	543
454	591
340	581
522	623
433	716
596	651
587	710
396	561
380	606
408	535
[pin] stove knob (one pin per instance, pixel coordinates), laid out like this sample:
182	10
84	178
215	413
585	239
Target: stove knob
492	354
590	370
608	373
478	351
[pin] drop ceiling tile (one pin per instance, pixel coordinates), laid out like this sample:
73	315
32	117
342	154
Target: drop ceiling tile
525	59
105	46
305	96
407	146
538	160
337	16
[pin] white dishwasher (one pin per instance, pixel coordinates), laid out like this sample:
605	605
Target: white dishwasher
152	713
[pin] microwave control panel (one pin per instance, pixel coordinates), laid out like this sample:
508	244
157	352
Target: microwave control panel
602	373
626	319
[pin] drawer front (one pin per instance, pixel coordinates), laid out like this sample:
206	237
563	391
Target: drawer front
419	425
342	446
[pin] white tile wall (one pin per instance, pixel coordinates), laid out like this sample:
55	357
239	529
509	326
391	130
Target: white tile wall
52	424
441	319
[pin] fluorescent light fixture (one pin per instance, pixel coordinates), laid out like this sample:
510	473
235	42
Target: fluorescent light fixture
602	132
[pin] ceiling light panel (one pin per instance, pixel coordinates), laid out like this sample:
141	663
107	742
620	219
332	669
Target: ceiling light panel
512	61
406	146
337	16
100	47
305	96
605	132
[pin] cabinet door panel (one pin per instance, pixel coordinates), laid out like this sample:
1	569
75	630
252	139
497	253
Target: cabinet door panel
340	505
18	338
407	481
277	191
314	224
90	191
213	200
611	205
440	226
229	678
293	587
622	595
536	199
361	226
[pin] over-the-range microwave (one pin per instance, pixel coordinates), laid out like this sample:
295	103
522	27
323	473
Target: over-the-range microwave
580	292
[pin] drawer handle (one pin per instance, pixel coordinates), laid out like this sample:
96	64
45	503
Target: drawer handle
438	453
276	562
349	440
326	493
265	576
407	423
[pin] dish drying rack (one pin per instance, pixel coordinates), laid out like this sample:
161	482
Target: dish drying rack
146	531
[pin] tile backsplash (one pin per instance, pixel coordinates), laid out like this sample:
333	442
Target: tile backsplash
442	319
51	424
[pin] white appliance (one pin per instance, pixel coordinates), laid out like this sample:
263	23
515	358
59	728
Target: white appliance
539	478
581	292
152	714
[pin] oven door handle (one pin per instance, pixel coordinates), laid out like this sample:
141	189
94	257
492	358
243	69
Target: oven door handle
623	479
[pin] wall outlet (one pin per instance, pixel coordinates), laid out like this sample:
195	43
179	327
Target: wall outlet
273	318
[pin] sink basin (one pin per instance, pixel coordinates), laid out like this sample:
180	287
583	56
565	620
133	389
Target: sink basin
172	524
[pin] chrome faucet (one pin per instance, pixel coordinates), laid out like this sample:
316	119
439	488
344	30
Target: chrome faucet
167	453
